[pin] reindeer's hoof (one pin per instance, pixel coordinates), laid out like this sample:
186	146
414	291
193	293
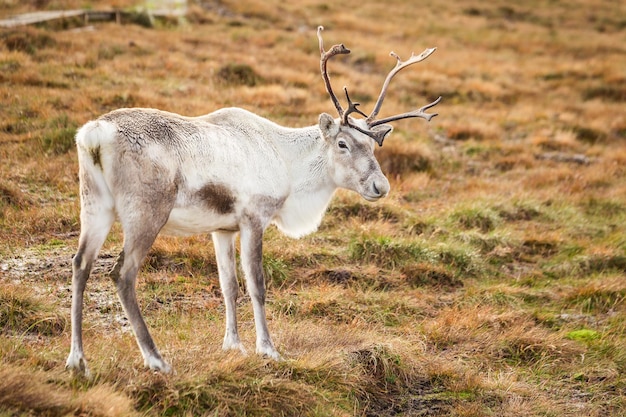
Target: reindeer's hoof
269	352
77	366
158	365
234	346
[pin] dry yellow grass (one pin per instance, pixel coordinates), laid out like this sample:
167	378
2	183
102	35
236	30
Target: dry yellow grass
490	281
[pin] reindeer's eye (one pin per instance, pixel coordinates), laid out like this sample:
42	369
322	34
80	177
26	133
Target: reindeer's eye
342	144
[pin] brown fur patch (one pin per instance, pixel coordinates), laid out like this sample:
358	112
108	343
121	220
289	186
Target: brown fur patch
115	272
95	155
217	197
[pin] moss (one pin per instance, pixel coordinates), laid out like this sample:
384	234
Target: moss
583	335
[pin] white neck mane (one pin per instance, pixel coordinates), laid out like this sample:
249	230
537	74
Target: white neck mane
312	188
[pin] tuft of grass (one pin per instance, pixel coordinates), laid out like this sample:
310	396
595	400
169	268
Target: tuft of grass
589	135
386	374
33	393
11	196
483	219
464	133
106	52
341	210
189	258
615	93
22	313
603	207
524	347
117	100
401	159
28	40
236	393
239	74
387	252
598	297
426	274
519	211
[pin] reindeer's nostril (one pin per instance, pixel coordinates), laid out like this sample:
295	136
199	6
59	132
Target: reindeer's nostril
376	190
380	188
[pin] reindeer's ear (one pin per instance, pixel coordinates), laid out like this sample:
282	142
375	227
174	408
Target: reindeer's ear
328	126
381	132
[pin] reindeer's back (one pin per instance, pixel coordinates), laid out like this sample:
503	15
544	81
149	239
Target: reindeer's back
140	127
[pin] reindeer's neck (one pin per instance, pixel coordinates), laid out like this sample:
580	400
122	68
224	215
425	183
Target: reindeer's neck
303	153
311	185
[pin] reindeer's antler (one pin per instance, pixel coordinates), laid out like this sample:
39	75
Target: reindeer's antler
352	108
325	55
415	113
377	134
399	66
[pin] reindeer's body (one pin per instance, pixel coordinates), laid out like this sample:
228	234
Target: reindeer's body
230	171
225	173
214	168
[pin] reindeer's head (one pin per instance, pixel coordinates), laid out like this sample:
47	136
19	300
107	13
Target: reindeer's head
351	145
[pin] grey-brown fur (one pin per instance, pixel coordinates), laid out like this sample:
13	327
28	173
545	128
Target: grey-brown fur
143	126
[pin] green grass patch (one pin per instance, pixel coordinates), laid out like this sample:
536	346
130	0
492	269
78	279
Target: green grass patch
483	219
603	207
58	136
276	271
387	252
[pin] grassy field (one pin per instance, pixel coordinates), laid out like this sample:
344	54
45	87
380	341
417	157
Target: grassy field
491	281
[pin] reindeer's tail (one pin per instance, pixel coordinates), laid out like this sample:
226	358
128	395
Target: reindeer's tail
95	142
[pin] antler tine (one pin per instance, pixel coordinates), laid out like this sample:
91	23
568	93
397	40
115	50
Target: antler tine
352	108
415	113
378	135
399	66
325	55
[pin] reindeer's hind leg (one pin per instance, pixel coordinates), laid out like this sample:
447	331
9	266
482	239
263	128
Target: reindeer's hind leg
141	220
96	217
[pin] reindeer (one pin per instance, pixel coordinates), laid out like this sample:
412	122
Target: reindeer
226	173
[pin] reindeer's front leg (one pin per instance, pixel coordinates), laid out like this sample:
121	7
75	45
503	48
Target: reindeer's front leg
252	263
224	243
